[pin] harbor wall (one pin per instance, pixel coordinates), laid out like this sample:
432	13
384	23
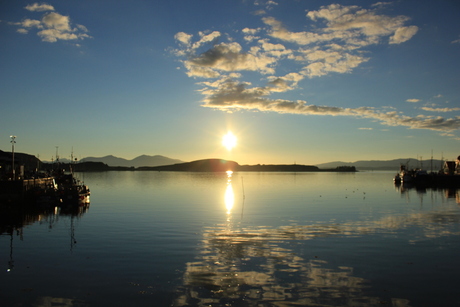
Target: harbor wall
13	190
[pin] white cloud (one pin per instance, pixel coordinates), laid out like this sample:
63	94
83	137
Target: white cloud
183	38
326	61
364	24
82	27
335	45
39	7
250	34
206	38
301	38
56	21
267	3
403	34
413	100
228	94
250	31
250	38
260	12
440	109
229	57
53	35
30	23
276	50
284	83
333	48
52	26
381	4
200	71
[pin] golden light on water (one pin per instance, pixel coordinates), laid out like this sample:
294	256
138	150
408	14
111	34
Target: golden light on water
229	195
229	140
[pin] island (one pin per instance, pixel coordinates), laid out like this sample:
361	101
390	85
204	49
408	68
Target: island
28	165
215	165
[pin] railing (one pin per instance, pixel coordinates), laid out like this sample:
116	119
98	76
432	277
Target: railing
37	183
18	189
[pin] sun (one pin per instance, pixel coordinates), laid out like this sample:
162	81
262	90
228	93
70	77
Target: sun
229	140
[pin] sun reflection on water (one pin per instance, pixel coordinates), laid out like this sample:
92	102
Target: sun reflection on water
229	194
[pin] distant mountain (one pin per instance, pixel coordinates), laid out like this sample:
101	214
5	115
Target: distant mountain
386	165
140	161
63	160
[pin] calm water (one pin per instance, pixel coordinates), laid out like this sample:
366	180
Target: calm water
246	239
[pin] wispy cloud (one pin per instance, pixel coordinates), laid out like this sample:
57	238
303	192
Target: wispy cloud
336	46
52	26
228	94
444	110
268	4
39	7
225	56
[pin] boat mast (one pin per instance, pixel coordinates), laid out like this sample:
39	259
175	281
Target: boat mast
442	160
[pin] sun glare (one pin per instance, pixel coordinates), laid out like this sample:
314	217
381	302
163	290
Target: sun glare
229	140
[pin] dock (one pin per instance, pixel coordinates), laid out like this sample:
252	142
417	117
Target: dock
20	190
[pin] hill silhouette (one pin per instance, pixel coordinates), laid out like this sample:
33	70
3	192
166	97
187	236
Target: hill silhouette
387	165
220	165
206	165
143	160
158	162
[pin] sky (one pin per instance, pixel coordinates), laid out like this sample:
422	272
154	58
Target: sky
295	81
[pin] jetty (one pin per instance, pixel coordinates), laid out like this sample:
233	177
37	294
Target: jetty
23	189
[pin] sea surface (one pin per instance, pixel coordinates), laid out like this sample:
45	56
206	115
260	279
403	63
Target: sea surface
241	239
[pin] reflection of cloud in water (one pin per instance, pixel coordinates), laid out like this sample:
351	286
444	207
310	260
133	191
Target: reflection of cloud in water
433	224
253	266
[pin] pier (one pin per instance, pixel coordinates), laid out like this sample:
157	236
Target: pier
19	190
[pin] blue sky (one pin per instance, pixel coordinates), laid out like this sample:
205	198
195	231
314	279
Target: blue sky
296	81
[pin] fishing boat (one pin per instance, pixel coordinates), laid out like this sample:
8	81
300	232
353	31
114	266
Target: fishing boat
449	175
71	190
405	175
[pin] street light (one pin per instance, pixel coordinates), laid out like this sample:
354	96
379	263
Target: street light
13	137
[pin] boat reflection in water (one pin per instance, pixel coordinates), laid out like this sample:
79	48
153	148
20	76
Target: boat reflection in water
422	191
16	218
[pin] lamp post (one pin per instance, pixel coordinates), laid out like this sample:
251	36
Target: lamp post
13	137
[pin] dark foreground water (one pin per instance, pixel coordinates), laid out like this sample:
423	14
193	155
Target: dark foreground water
246	239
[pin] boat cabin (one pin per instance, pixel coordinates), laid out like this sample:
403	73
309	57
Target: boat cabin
452	167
